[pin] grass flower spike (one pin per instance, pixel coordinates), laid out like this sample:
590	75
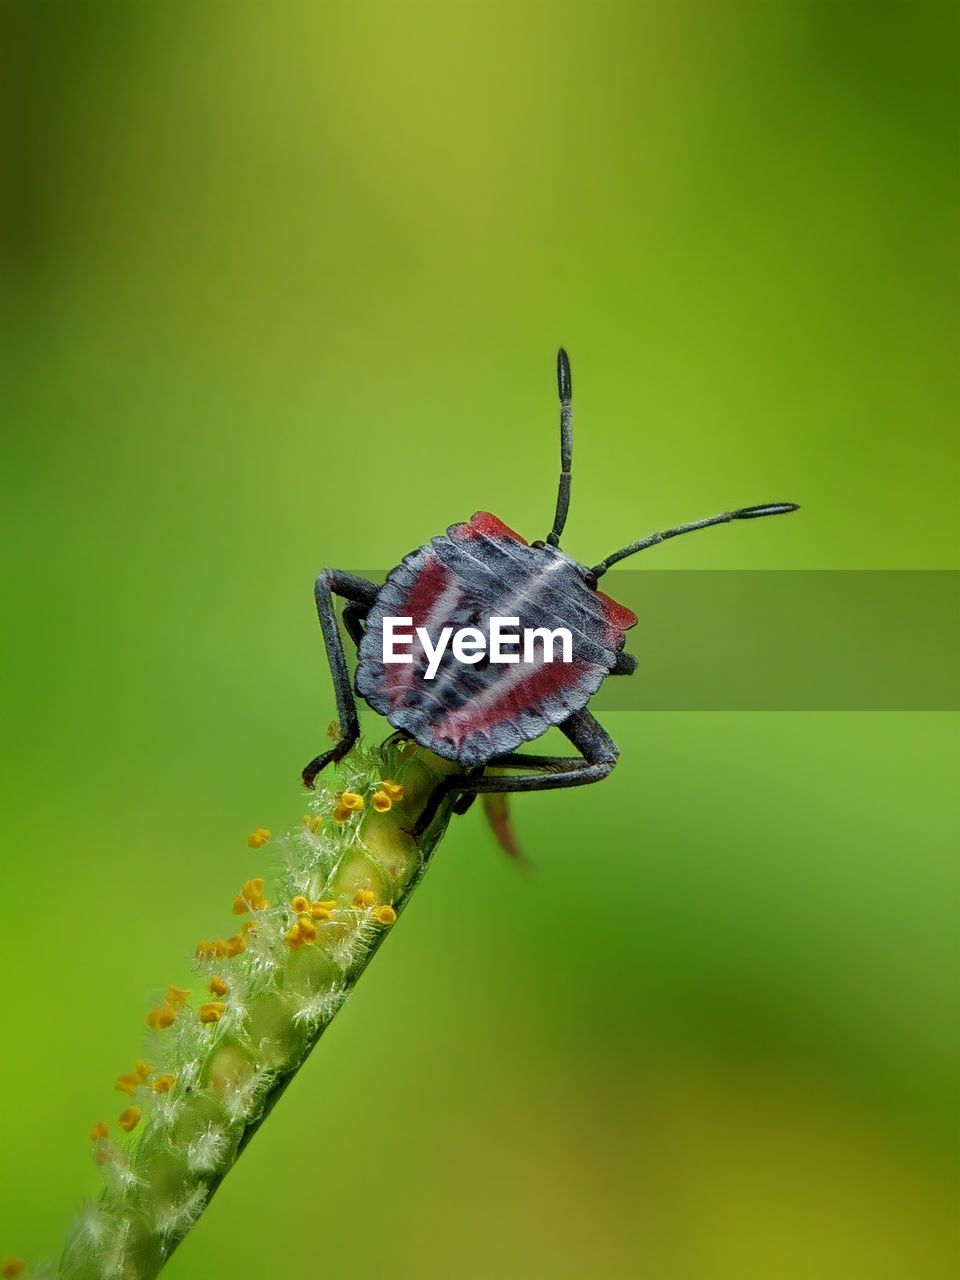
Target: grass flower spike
218	1060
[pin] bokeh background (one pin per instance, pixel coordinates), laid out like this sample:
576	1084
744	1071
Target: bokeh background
283	285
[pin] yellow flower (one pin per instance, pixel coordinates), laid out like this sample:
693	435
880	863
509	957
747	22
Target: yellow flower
342	814
321	910
127	1084
218	986
177	996
129	1119
99	1130
257	839
351	800
393	789
144	1070
163	1083
381	802
364	898
300	904
212	1011
385	915
312	821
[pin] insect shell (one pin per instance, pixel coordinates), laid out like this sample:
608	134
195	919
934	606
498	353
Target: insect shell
476	571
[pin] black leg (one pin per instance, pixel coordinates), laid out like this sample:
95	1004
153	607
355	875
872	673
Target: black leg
625	665
360	592
353	616
598	755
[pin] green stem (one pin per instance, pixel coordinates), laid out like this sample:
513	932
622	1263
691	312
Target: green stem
218	1066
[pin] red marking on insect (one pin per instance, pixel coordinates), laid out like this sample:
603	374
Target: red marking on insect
484	525
617	616
428	586
431	587
508	698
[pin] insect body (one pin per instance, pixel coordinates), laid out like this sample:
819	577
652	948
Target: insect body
477	713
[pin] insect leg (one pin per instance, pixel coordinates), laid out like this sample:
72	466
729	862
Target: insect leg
360	592
598	755
353	615
625	665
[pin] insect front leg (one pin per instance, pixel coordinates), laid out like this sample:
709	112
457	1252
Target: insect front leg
597	756
361	593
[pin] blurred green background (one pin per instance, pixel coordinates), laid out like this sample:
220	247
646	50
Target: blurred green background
283	286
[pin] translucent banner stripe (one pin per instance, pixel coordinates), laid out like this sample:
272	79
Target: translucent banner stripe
792	640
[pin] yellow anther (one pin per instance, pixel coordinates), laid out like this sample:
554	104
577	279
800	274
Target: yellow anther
165	1015
144	1070
212	1011
308	930
342	814
381	802
218	986
221	949
127	1084
327	904
312	821
250	897
300	904
12	1268
235	946
205	950
246	927
393	789
163	1083
301	934
178	996
385	915
351	800
321	910
257	839
364	898
99	1130
129	1119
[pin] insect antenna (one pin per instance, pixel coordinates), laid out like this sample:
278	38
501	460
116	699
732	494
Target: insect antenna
565	388
745	513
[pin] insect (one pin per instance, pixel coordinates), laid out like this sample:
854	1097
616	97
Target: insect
478	714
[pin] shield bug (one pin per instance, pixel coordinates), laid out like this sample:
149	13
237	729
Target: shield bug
476	712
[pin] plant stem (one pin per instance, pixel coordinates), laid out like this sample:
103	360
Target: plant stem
216	1067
